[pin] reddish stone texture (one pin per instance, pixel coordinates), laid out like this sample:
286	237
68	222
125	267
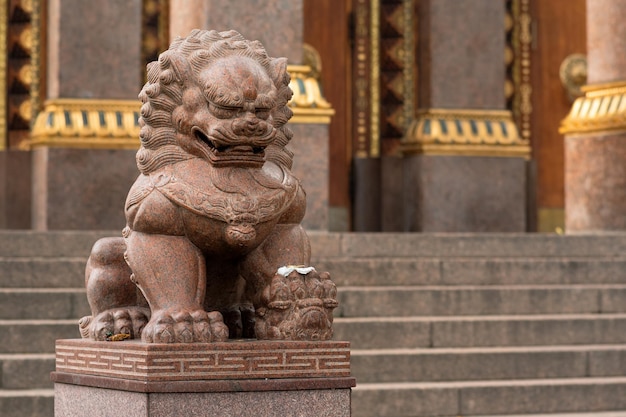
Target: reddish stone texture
201	386
460	41
186	15
94	54
201	361
215	213
606	41
595	183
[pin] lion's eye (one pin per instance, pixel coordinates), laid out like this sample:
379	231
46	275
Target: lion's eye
223	112
263	113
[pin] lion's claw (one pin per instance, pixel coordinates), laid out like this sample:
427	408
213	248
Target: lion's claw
125	320
185	327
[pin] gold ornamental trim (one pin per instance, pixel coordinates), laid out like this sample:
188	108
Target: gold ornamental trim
602	108
114	124
81	123
374	148
308	103
465	132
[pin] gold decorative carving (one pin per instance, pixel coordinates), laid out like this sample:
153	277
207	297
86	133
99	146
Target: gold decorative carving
25	75
27	6
409	62
113	124
154	30
361	82
308	104
79	123
517	87
602	108
465	132
3	72
573	74
35	58
374	150
26	38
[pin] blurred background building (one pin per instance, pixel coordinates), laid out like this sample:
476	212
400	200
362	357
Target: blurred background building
429	115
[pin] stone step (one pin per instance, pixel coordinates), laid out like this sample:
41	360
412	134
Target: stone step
21	243
59	243
38	336
402	301
35	336
43	303
473	271
503	397
463	364
37	272
445	245
57	259
26	371
31	403
477	331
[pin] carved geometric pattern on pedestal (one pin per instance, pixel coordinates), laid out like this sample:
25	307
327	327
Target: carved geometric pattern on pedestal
214	361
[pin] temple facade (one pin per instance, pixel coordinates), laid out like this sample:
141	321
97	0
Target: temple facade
409	115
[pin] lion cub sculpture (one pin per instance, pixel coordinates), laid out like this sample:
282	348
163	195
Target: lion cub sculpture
213	246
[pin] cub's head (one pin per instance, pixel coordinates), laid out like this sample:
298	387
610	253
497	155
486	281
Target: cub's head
218	97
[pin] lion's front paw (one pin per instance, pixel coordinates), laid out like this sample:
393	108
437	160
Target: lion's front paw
297	305
171	326
125	320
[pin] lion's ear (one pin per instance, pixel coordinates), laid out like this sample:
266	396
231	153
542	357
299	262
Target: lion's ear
279	70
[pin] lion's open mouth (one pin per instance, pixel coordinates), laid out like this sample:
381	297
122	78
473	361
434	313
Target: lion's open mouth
237	154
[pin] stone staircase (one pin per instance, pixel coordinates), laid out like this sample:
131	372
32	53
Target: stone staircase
440	325
469	325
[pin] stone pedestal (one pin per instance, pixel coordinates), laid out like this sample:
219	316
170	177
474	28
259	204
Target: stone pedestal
238	378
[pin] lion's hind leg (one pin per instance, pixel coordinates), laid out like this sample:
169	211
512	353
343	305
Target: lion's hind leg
117	307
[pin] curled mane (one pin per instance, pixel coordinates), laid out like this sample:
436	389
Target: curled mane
179	68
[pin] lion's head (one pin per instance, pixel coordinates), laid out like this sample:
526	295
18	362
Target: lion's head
215	96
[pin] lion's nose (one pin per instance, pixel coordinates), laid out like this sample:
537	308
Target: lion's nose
248	127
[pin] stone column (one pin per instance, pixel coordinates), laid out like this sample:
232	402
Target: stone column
595	142
94	54
278	25
465	164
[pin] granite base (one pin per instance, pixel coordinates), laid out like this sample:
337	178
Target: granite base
80	401
235	378
464	194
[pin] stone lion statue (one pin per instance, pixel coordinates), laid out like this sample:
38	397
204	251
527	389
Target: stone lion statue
213	246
